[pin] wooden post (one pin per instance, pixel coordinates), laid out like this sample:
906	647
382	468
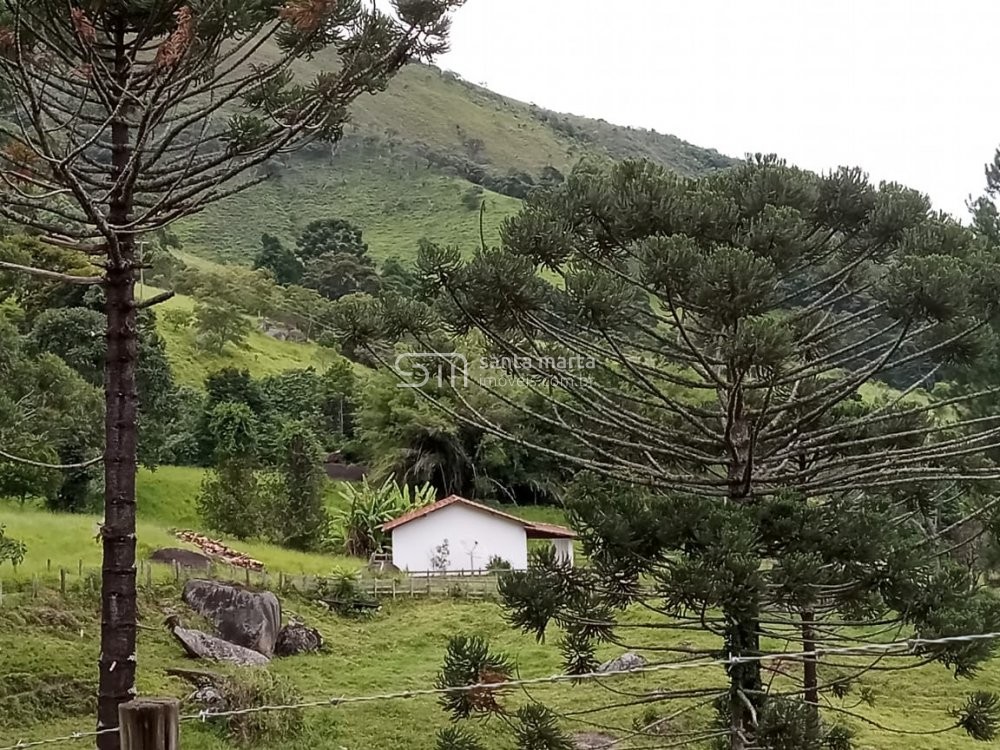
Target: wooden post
247	571
48	566
177	571
150	724
62	581
394	589
411	586
79	570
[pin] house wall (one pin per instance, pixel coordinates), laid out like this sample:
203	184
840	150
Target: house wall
473	538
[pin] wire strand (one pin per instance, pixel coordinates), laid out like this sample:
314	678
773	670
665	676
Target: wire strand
58	467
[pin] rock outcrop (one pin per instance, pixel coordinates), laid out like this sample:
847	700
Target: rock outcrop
244	618
201	645
295	638
623	663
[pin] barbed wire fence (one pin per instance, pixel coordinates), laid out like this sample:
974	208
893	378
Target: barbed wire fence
907	647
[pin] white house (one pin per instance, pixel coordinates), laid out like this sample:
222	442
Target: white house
455	534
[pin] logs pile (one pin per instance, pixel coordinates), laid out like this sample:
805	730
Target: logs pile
216	549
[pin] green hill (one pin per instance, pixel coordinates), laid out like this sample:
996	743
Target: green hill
409	156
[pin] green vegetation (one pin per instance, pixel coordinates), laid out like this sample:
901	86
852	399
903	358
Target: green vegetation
260	354
365	507
400	647
396	201
738	515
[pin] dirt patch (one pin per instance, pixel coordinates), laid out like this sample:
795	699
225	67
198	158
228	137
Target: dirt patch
184	557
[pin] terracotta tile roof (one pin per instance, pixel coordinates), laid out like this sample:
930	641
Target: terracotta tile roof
533	530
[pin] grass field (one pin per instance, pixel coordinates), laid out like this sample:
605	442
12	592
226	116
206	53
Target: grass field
400	648
166	501
260	354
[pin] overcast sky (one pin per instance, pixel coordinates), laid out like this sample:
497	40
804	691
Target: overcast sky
907	89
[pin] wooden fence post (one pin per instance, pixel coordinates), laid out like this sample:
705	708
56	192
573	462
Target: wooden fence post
150	724
62	581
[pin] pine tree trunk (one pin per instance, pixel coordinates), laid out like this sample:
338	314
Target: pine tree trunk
810	679
743	625
118	592
745	682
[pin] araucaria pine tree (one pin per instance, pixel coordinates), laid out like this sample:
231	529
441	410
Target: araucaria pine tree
122	117
745	468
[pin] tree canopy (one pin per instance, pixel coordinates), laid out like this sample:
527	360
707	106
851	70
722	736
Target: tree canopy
713	353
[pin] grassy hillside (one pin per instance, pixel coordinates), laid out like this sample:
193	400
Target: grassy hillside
392	197
261	354
166	500
406	162
51	678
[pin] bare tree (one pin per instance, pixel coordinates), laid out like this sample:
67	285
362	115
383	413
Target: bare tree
124	117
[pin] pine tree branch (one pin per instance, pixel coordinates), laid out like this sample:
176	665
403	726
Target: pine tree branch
52	275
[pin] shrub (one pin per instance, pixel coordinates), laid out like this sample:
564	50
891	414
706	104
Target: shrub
178	319
497	563
357	527
258	687
11	549
343	593
472	198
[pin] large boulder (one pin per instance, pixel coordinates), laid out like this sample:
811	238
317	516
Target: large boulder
204	646
624	663
295	638
247	618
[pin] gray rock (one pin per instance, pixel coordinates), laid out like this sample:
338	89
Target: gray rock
592	741
204	646
246	618
295	638
623	663
210	698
